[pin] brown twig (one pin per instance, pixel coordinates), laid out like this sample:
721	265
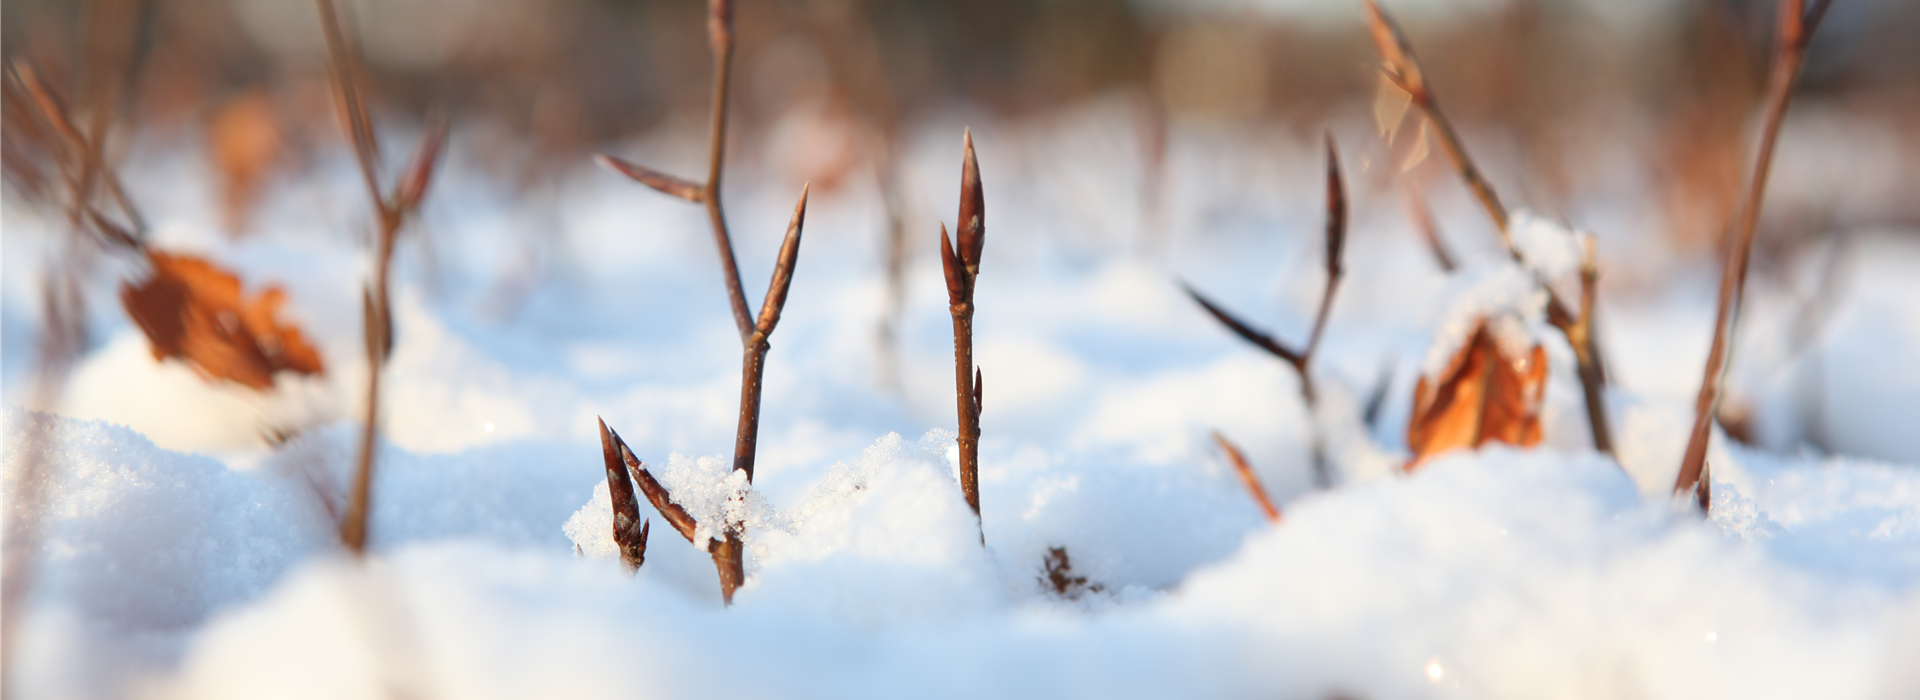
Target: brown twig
1796	27
727	556
392	207
1403	70
1247	477
75	155
961	264
1423	224
1336	237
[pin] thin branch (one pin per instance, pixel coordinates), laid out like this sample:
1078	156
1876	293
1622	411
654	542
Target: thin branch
1796	27
1247	477
720	37
391	210
961	266
650	487
74	154
754	365
1423	224
346	90
728	554
1246	332
661	182
1336	242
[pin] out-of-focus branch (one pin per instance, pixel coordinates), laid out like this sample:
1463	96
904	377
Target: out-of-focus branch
1796	27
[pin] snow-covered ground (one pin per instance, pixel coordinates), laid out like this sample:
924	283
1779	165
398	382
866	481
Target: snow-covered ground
179	556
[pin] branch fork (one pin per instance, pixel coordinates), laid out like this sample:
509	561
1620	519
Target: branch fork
1336	237
393	206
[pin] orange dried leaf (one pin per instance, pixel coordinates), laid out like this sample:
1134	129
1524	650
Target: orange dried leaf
1482	395
193	310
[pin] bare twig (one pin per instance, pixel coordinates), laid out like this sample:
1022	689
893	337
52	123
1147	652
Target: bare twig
75	155
754	365
1796	27
392	207
1403	70
727	555
1247	476
1336	237
961	264
1424	225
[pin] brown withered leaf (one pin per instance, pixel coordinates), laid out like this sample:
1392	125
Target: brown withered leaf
1482	395
193	310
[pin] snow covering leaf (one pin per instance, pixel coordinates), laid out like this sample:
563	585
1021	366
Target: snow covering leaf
192	309
1483	394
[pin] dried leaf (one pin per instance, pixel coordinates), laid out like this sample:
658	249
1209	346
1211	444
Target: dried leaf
193	310
1482	395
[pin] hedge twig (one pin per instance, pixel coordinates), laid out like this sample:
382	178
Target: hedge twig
961	265
1795	33
392	207
727	555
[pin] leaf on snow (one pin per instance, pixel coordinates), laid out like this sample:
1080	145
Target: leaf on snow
1483	394
193	310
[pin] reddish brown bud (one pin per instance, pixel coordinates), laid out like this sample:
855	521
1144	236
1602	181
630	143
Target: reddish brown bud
972	225
950	265
1336	210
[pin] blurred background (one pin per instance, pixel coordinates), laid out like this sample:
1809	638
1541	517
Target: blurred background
1182	134
1564	91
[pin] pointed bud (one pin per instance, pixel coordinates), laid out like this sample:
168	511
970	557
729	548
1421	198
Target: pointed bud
1336	211
626	508
776	298
950	265
979	391
971	226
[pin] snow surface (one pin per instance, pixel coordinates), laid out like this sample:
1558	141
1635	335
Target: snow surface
179	556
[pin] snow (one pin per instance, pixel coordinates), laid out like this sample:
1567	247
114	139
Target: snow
178	555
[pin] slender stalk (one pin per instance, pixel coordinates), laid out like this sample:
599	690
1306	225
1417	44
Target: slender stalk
1424	225
1796	27
1403	70
1580	336
720	36
961	265
391	209
1247	477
